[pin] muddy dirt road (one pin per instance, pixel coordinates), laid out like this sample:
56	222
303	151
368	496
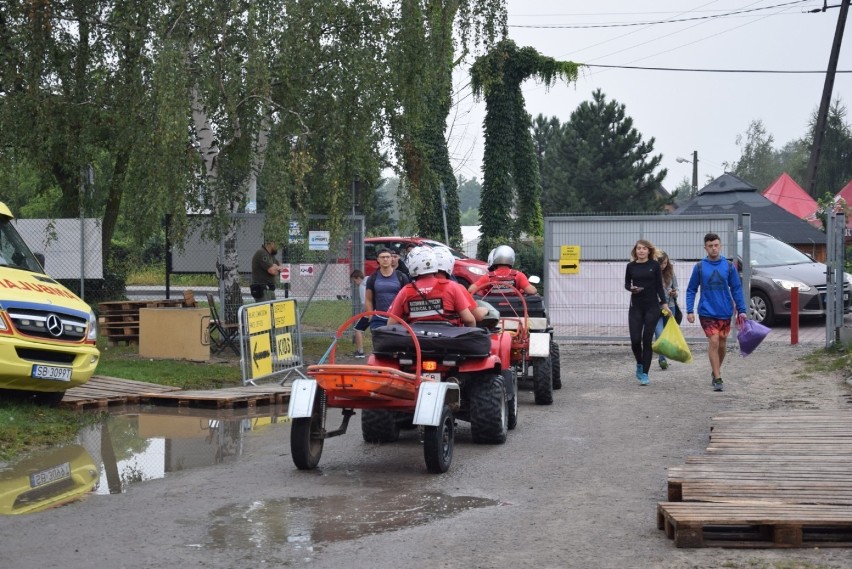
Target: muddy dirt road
576	485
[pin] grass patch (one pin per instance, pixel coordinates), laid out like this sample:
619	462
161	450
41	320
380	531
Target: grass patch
836	358
154	275
325	315
124	362
25	427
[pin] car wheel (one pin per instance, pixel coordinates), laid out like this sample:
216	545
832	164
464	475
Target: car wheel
760	308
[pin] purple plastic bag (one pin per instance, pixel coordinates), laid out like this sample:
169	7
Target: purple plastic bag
750	335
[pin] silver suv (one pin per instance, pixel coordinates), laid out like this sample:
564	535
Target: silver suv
776	268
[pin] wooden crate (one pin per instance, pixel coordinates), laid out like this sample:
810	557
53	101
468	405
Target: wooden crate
119	319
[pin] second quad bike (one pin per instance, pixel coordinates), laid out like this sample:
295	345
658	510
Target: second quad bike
535	354
422	375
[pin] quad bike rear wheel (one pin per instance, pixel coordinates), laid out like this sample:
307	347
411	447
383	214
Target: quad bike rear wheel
510	379
555	371
438	443
543	381
306	441
379	426
489	411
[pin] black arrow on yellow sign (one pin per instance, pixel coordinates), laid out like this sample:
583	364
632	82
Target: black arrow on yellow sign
569	266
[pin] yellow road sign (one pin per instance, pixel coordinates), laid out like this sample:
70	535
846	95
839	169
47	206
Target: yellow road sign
259	319
261	356
285	313
569	259
284	346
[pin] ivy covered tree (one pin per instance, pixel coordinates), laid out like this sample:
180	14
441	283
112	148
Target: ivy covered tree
600	163
511	188
424	50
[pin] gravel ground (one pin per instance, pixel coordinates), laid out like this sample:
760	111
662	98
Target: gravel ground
576	485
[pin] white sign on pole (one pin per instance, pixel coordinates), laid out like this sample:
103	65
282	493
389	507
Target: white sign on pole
285	273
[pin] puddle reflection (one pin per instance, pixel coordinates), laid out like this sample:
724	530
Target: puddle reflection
306	523
125	449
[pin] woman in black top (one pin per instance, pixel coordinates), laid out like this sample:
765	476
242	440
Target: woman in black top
644	280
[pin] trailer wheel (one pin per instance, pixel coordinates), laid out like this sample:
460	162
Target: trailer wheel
306	440
489	411
555	371
542	381
438	443
379	426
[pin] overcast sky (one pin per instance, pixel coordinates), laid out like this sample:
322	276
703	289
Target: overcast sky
682	111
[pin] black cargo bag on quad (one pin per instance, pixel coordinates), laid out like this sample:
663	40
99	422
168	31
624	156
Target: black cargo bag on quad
510	305
435	339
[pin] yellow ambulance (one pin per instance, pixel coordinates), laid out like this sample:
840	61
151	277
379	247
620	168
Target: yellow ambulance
47	334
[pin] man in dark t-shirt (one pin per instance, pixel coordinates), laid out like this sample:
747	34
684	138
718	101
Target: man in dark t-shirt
264	270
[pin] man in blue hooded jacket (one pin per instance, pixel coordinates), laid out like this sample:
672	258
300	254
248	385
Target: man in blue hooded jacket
721	290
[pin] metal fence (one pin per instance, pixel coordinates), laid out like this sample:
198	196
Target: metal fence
318	267
585	259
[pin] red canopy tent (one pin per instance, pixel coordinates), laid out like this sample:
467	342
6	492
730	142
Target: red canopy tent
785	192
846	194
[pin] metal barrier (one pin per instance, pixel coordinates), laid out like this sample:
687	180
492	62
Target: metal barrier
270	341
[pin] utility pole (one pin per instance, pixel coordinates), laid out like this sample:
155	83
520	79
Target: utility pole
694	173
825	102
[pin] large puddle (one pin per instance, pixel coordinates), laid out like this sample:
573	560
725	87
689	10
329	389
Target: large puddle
302	525
126	449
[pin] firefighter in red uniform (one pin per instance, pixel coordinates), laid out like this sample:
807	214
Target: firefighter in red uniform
500	271
429	297
480	309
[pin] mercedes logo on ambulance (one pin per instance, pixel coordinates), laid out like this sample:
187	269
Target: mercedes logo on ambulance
54	325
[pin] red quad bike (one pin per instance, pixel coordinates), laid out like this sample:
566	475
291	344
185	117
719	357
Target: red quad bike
423	375
534	355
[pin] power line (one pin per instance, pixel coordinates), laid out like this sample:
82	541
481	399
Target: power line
696	70
654	22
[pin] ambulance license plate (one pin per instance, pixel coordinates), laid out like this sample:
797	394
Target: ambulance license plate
52	372
50	475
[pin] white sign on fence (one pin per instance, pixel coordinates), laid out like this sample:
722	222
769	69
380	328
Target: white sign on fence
318	240
306	270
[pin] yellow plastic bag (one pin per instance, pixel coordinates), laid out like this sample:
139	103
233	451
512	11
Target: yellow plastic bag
672	344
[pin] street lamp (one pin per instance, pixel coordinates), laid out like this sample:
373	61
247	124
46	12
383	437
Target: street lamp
694	163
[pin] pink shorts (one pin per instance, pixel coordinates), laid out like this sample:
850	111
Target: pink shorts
715	326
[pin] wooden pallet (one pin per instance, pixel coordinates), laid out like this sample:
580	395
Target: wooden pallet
696	524
119	319
804	483
249	396
763	475
101	391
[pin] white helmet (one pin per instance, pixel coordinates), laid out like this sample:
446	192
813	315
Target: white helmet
421	261
445	259
503	255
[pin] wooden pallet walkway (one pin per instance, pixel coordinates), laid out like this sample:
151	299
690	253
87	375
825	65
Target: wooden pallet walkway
249	396
697	524
764	462
102	392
